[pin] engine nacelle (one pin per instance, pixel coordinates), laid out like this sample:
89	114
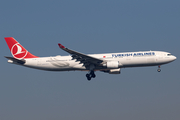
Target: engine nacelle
112	64
115	71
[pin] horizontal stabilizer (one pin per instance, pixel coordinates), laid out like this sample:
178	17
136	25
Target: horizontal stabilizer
22	61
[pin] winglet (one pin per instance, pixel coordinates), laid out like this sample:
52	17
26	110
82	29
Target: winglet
61	46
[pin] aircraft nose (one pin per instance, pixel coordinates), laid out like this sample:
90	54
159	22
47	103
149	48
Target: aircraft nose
174	57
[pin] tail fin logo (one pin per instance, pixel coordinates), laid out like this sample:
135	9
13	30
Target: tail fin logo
18	51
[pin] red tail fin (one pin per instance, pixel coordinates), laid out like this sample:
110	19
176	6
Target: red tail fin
17	50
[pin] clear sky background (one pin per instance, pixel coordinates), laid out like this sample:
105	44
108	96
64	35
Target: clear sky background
93	26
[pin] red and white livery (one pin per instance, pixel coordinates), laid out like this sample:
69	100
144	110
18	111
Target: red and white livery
108	62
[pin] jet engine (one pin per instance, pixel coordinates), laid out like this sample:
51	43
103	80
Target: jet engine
112	64
115	71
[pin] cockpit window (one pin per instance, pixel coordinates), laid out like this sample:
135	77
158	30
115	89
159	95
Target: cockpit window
169	55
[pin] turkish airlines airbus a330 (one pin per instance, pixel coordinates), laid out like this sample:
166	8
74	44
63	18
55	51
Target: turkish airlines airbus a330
108	62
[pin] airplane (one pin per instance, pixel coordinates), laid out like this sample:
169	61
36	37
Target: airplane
107	62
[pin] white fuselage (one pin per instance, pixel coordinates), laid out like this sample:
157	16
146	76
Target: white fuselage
126	59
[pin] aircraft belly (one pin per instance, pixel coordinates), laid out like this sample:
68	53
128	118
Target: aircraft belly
138	62
44	64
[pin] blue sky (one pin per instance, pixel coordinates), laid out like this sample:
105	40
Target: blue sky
95	26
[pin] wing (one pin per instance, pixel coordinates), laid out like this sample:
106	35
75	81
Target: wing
85	59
